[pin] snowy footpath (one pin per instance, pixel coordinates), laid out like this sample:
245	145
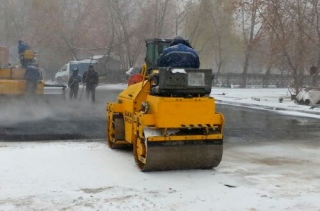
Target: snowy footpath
90	176
264	99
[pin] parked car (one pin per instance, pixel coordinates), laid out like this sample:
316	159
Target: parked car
132	71
62	76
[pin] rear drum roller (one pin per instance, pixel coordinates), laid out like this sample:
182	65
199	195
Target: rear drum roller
115	130
140	153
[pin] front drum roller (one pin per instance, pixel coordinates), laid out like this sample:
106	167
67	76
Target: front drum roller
176	155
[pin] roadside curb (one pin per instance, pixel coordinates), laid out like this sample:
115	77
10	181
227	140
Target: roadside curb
273	108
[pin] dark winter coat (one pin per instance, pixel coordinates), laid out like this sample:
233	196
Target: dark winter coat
90	78
74	81
32	74
22	47
179	54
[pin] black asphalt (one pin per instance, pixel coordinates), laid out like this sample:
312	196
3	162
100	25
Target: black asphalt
58	119
245	124
54	118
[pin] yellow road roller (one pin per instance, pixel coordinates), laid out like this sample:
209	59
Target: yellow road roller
12	78
12	82
169	118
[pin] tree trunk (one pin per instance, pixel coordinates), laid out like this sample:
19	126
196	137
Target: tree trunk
245	69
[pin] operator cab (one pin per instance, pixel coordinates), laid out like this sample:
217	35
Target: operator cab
155	48
183	82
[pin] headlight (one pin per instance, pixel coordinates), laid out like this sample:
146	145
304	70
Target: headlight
145	107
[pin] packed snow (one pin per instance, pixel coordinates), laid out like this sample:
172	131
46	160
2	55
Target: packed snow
263	98
90	176
267	98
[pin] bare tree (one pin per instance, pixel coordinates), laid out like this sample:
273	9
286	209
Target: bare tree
313	19
286	20
221	17
209	27
181	9
251	26
161	7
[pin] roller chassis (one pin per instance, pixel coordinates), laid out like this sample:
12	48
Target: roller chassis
158	142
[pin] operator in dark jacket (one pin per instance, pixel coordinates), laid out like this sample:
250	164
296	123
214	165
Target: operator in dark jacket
179	54
73	84
22	47
32	76
91	79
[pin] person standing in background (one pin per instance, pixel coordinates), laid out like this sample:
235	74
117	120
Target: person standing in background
73	84
91	79
32	76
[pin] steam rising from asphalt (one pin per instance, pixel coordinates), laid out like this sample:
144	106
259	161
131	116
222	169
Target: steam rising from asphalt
51	117
22	110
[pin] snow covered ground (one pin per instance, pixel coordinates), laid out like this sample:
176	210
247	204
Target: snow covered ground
90	176
266	98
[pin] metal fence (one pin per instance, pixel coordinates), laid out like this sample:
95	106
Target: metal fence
261	80
227	79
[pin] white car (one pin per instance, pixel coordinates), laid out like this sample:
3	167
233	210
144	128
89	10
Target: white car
62	76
